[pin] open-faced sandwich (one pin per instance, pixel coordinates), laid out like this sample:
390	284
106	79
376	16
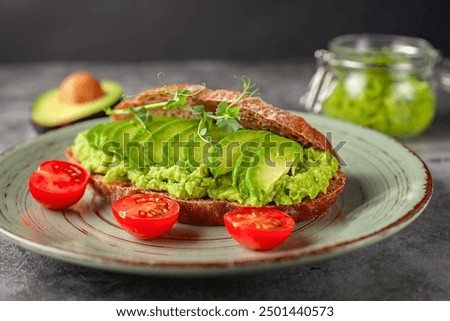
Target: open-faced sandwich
212	151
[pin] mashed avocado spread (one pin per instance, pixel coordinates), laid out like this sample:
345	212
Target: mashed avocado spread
394	102
287	179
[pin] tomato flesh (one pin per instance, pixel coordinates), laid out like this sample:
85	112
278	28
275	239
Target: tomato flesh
259	228
58	184
146	216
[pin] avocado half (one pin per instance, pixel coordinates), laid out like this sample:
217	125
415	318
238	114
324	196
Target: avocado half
49	113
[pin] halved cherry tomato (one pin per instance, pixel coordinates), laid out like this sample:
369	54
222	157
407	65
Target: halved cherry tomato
58	184
146	216
259	228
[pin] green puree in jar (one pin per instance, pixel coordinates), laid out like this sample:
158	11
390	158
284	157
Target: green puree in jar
391	101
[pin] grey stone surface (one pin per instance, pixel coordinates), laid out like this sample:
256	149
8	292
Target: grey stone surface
414	264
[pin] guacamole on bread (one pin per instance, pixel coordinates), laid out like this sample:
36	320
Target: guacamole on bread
254	175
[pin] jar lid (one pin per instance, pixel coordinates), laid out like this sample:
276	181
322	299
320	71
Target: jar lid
379	50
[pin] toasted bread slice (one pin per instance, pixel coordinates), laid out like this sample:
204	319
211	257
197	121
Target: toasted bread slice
255	114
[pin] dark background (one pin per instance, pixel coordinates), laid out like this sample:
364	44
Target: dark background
138	30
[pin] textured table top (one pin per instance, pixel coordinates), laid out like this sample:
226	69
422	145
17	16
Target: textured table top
414	264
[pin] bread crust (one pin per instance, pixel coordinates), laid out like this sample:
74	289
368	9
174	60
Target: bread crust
255	114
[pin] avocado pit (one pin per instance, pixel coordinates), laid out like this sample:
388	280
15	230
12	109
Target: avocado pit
80	87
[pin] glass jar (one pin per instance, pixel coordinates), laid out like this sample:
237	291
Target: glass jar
380	81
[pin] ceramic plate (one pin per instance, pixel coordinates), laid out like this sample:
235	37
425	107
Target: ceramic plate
388	186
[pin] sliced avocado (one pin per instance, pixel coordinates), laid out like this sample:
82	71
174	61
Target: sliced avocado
272	162
172	148
223	156
123	133
196	151
48	112
93	135
108	131
247	158
98	135
135	148
154	145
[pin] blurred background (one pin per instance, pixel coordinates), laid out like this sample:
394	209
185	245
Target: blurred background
143	30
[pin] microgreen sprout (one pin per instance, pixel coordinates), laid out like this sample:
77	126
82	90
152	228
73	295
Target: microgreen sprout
225	116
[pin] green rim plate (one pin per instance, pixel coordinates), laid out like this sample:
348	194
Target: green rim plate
387	187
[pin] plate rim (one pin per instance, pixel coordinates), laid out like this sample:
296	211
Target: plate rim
207	269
